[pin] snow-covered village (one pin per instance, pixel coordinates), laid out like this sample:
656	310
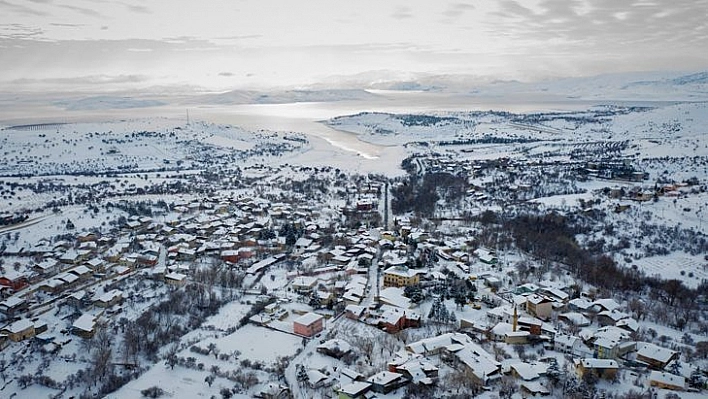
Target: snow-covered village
295	199
487	254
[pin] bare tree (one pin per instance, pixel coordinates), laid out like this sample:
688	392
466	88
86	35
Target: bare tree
171	355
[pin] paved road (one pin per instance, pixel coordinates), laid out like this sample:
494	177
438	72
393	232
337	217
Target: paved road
26	223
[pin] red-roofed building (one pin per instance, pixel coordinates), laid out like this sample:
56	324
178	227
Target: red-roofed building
308	324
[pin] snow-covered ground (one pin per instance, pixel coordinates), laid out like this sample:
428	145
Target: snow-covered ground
93	169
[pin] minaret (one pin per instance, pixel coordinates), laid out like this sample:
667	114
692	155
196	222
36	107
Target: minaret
516	318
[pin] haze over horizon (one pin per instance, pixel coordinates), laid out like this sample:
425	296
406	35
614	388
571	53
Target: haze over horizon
219	45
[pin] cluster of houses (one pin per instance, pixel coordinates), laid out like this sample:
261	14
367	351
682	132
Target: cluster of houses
526	320
597	334
70	271
240	233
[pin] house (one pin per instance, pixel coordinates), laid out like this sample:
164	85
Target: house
264	263
12	305
386	381
82	272
556	294
46	267
486	256
53	286
534	388
525	289
574	319
304	284
393	296
317	379
539	306
628	324
527	371
602	368
96	264
355	390
499	331
570	344
364	205
308	324
492	282
400	276
533	326
40	327
435	345
607	304
71	257
346	373
352	298
109	299
478	364
87	236
655	356
301	245
516	337
176	279
14	280
19	330
78	299
611	317
183	254
580	305
335	348
606	347
664	380
609	342
68	280
230	256
415	368
394	319
501	314
84	326
354	312
460	350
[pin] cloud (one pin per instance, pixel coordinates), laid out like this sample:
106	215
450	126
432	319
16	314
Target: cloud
106	82
402	13
138	8
82	10
67	25
457	10
21	9
303	41
12	32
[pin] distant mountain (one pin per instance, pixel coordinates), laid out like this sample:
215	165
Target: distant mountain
649	86
696	78
287	96
105	102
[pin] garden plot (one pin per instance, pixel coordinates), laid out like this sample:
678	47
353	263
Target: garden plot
689	269
257	344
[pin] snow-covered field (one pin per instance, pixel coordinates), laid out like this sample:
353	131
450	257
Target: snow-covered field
236	175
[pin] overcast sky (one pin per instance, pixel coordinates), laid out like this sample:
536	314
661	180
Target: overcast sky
224	44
